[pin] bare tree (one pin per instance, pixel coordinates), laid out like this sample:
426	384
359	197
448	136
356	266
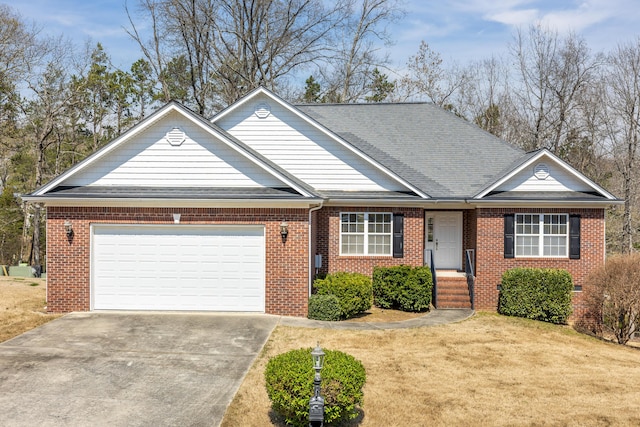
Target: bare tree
622	121
233	46
613	297
46	113
484	95
152	49
17	40
428	78
552	72
348	73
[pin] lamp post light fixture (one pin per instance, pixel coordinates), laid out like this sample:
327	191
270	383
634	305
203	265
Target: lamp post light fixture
284	230
316	403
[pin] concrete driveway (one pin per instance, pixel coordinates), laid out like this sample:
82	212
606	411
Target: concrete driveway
128	369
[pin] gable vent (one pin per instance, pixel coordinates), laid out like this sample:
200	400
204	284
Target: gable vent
263	110
175	137
541	171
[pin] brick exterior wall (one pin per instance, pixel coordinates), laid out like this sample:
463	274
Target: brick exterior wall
68	260
490	261
286	275
327	235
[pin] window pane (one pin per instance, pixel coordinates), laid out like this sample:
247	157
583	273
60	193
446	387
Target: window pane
555	224
527	245
379	245
366	233
555	246
527	224
353	244
549	229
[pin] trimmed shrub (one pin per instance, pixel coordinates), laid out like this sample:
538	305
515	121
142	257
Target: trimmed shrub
353	290
536	293
289	381
386	284
324	307
402	287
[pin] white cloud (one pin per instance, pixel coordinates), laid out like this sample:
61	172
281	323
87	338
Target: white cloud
514	18
582	17
560	16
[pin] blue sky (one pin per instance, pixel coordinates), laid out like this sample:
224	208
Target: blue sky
460	30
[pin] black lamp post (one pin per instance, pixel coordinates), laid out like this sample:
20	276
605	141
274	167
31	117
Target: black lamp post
316	403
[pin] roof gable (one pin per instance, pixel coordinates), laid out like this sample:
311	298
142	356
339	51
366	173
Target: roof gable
174	153
540	173
438	152
174	147
304	147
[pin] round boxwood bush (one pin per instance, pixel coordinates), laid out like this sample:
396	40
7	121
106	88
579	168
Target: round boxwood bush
289	381
354	291
324	307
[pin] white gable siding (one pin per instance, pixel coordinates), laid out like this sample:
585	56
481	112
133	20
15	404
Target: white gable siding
303	150
559	179
149	160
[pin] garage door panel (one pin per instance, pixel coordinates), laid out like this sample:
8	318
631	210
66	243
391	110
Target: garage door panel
178	268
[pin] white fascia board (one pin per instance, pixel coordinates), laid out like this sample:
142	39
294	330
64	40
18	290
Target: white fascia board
559	162
323	129
583	204
425	204
373	202
172	203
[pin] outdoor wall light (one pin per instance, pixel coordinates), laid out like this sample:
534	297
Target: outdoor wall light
284	230
68	228
176	218
316	403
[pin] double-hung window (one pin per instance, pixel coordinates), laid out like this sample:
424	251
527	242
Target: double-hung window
541	235
365	233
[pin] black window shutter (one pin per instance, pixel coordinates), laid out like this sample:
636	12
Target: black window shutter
509	235
398	235
574	236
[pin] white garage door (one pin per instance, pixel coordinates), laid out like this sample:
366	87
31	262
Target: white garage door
181	267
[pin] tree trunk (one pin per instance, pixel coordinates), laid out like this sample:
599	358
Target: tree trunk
35	251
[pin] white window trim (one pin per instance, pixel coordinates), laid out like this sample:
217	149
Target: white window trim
366	234
541	236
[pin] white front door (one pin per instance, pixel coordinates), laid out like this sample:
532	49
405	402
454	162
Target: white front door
443	235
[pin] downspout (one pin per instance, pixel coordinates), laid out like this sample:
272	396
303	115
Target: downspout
309	242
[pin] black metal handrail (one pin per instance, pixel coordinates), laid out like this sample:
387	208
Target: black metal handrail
469	270
429	260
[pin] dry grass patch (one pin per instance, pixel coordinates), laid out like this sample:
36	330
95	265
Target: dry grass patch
22	306
377	314
488	370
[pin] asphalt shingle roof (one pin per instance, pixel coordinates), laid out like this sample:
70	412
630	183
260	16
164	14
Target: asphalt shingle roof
434	150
